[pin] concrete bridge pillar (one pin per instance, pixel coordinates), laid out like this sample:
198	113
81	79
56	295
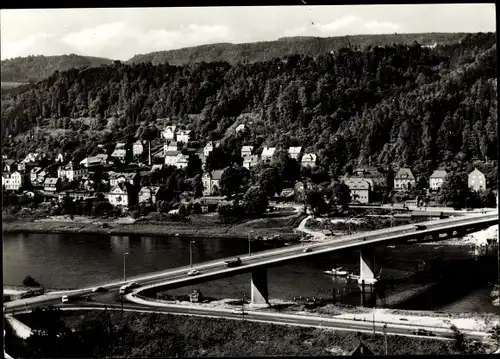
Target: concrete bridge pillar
258	287
367	266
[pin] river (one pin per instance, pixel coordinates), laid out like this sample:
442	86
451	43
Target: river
77	260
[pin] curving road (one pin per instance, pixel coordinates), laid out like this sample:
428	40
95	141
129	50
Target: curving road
215	269
275	318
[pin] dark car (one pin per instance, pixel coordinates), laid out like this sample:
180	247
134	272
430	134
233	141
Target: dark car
233	262
420	227
424	333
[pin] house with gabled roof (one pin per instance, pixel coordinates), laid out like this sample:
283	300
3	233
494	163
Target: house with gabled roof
267	154
404	179
246	151
183	136
119	152
169	133
181	161
477	180
308	160
13	181
171	158
9	165
71	171
437	179
122	177
211	182
209	147
52	184
360	189
37	175
118	195
170	146
294	152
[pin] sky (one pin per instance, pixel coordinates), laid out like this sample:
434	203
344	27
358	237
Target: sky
121	33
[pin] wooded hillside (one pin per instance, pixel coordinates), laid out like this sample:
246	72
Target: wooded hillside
399	105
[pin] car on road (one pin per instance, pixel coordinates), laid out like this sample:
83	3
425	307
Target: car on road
233	262
99	290
193	272
419	227
364	238
88	298
423	332
65	299
128	287
238	311
307	250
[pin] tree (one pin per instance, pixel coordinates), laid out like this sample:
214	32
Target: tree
233	180
194	166
316	200
341	195
29	281
198	186
454	190
255	201
270	181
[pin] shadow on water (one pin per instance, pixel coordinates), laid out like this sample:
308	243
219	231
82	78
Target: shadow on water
455	280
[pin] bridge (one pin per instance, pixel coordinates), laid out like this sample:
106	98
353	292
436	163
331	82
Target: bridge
258	263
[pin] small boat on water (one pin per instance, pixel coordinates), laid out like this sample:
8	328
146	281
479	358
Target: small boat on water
391	246
337	272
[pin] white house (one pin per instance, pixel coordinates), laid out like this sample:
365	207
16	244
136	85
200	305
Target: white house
477	180
9	165
170	146
209	147
169	133
34	157
60	158
181	161
211	182
72	172
52	184
240	128
250	161
360	189
294	152
118	195
308	160
12	181
119	151
246	151
183	136
268	153
404	179
171	158
137	148
436	180
121	177
148	194
100	159
37	175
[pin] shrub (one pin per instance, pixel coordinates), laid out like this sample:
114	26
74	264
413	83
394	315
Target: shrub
29	281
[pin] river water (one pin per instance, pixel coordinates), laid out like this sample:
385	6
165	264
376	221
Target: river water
460	281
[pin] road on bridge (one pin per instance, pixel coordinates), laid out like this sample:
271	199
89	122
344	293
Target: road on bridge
215	269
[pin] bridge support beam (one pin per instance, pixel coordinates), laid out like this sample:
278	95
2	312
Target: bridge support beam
258	287
367	266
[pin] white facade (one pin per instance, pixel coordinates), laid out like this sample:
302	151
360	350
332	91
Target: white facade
477	180
294	152
246	151
12	181
211	182
437	179
404	179
118	196
308	160
170	146
183	136
137	148
240	128
181	161
359	189
209	147
169	133
268	153
71	172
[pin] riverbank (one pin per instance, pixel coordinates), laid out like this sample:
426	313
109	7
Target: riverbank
281	226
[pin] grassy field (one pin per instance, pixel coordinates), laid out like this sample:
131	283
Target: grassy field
116	334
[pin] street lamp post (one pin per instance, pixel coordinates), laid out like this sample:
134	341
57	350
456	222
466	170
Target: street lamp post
124	266
249	246
191	253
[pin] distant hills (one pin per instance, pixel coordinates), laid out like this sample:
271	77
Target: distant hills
34	68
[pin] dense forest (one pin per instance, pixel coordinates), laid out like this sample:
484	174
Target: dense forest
34	68
393	105
268	50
